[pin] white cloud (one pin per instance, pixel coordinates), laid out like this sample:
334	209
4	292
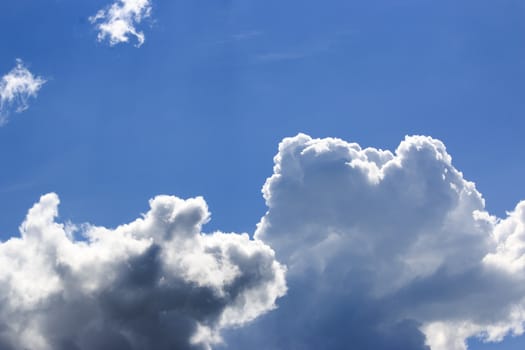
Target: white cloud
386	251
155	283
16	87
117	22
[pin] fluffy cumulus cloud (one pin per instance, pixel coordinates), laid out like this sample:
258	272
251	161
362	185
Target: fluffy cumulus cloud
117	23
155	283
386	250
16	88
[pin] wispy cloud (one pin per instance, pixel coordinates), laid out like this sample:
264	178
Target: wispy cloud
295	53
237	38
281	56
16	87
247	35
117	23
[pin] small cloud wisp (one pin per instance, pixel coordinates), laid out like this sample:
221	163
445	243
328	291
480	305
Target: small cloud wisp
16	88
117	23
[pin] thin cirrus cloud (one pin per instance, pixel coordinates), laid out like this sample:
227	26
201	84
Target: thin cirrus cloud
16	88
386	250
155	283
117	23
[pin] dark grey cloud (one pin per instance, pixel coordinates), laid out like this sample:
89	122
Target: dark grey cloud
156	283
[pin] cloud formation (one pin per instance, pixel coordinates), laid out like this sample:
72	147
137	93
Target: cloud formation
16	87
155	283
386	250
117	22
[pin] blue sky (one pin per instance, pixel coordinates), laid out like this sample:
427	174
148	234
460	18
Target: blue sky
200	108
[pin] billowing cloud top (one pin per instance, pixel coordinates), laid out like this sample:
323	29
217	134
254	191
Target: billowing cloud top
16	87
117	22
386	251
156	283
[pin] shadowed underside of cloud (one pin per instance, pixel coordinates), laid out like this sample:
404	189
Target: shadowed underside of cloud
385	250
156	283
118	22
16	87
